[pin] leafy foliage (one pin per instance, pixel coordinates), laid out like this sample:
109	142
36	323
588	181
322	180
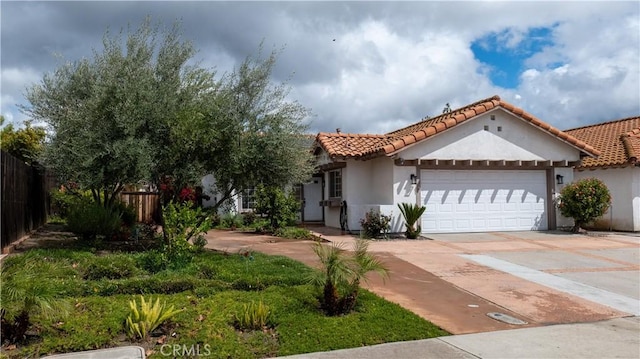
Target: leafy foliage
254	316
26	292
62	201
141	322
411	214
584	201
183	222
279	208
88	220
375	224
293	233
24	143
341	275
138	112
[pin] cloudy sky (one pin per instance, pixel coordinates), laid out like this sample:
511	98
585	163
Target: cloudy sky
371	67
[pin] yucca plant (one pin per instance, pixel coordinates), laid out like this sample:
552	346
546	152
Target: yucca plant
141	322
254	316
411	214
342	273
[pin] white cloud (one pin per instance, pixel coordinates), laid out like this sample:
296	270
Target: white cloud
600	79
14	81
395	79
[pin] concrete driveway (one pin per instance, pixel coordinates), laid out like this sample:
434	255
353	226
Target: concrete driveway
543	277
455	280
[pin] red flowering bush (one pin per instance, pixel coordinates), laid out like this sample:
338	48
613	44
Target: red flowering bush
187	194
584	201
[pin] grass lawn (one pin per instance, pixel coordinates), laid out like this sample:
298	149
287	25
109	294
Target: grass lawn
211	290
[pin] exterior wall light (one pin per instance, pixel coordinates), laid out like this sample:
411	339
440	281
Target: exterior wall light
414	179
559	179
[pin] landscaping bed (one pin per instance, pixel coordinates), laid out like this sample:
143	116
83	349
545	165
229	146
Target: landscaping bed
211	291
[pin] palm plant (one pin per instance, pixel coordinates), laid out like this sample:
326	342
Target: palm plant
342	273
411	214
27	290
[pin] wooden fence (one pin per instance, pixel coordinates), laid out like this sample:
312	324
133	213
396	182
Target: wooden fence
147	205
25	198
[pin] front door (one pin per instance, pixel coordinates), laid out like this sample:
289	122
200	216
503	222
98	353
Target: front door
312	192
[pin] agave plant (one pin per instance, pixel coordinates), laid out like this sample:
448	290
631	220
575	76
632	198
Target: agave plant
342	273
411	214
143	321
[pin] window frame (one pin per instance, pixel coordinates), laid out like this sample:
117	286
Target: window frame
248	199
335	183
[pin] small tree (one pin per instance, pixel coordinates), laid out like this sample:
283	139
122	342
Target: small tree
280	208
24	143
584	201
411	214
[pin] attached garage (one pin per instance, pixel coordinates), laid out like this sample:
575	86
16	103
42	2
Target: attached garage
483	200
487	166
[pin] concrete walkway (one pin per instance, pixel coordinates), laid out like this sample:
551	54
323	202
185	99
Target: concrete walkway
578	295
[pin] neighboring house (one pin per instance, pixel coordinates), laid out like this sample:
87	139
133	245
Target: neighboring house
488	166
617	166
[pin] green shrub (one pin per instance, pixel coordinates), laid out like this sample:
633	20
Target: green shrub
411	214
142	321
182	223
261	226
280	209
248	218
110	267
127	213
89	220
254	316
293	233
375	225
63	201
215	218
584	201
231	221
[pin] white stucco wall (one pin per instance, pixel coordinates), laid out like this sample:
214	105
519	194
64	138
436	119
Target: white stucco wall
518	140
567	174
208	188
624	186
403	191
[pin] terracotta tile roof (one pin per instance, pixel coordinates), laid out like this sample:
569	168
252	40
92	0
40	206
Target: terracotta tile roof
368	146
618	141
350	145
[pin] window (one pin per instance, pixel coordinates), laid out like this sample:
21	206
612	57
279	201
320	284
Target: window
335	184
249	198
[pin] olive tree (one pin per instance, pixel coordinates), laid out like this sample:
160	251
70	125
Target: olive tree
142	110
110	116
258	137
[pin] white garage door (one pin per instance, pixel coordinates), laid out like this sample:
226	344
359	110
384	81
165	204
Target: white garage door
483	201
